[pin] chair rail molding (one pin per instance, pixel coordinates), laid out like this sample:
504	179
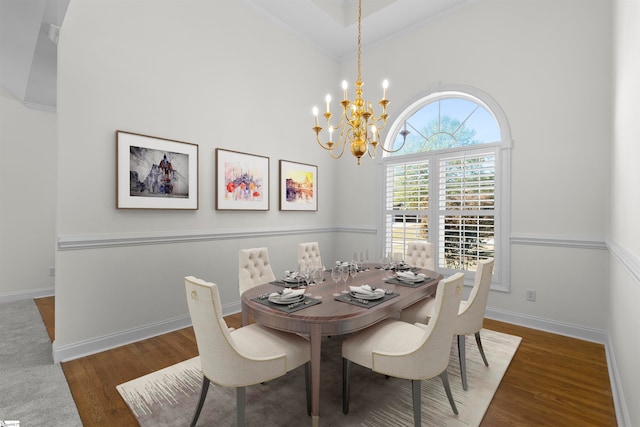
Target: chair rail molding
558	241
630	262
89	241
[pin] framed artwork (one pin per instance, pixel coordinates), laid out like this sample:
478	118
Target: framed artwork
155	173
298	186
242	181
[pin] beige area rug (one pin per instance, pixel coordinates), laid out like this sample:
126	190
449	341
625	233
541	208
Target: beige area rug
168	397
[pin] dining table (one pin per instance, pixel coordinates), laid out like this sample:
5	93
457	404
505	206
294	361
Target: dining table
323	314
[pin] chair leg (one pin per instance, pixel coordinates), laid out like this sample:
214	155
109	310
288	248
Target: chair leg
445	382
481	349
346	369
203	396
241	398
416	393
307	385
463	360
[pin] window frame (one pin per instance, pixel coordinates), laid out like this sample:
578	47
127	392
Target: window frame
502	149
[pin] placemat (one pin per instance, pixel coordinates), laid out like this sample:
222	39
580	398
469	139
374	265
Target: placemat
395	281
289	308
364	303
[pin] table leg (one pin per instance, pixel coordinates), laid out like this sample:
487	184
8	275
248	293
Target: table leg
315	339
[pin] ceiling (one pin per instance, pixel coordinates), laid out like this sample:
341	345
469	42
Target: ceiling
29	30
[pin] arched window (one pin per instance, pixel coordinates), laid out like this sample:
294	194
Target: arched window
448	183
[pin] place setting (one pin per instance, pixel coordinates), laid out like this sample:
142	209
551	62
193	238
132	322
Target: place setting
287	300
365	296
408	278
291	279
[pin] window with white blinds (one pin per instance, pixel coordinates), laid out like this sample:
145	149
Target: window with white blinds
407	204
466	209
444	185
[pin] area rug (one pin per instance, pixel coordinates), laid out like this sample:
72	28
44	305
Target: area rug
33	389
168	397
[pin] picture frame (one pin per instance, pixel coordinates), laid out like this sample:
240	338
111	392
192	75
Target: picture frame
155	173
242	181
298	186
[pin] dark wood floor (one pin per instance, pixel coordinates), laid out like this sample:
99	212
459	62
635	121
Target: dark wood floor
552	380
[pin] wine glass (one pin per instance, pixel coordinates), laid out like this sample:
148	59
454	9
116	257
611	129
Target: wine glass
307	274
353	270
344	273
336	276
384	261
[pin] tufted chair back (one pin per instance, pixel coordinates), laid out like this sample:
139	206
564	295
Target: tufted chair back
254	268
309	252
420	254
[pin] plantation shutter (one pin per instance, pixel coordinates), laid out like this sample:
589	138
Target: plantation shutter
406	204
466	208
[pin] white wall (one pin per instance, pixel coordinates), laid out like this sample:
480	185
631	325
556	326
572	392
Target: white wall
185	71
551	74
28	150
216	74
624	317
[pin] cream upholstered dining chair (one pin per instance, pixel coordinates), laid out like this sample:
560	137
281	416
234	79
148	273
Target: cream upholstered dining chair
470	314
246	356
420	254
309	253
415	352
254	268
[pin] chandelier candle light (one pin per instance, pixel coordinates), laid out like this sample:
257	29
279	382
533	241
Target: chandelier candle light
358	125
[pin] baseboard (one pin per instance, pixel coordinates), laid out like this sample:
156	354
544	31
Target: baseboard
107	342
622	410
29	294
560	328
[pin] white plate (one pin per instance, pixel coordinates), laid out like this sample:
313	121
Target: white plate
411	280
293	280
277	300
367	297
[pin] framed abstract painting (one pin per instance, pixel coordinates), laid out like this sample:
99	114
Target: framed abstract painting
242	181
298	186
155	173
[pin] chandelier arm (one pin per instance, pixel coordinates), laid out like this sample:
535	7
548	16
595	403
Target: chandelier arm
326	147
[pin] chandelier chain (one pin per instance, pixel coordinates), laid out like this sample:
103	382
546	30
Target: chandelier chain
359	38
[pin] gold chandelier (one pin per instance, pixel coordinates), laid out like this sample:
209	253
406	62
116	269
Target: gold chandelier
358	125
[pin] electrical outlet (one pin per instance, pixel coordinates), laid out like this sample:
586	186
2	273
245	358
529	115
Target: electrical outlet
52	271
531	295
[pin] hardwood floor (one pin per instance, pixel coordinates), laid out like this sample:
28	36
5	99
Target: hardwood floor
552	380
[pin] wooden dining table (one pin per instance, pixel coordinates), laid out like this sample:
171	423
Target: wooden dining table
333	317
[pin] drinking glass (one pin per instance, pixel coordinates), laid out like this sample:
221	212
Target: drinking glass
336	276
384	262
307	274
344	273
353	270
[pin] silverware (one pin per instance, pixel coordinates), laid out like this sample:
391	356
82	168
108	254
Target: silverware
295	304
363	301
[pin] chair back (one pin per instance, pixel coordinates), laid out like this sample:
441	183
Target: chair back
431	354
309	253
420	254
220	359
437	347
471	315
254	268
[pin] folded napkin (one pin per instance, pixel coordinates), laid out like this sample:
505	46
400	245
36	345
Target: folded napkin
288	294
410	275
365	290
